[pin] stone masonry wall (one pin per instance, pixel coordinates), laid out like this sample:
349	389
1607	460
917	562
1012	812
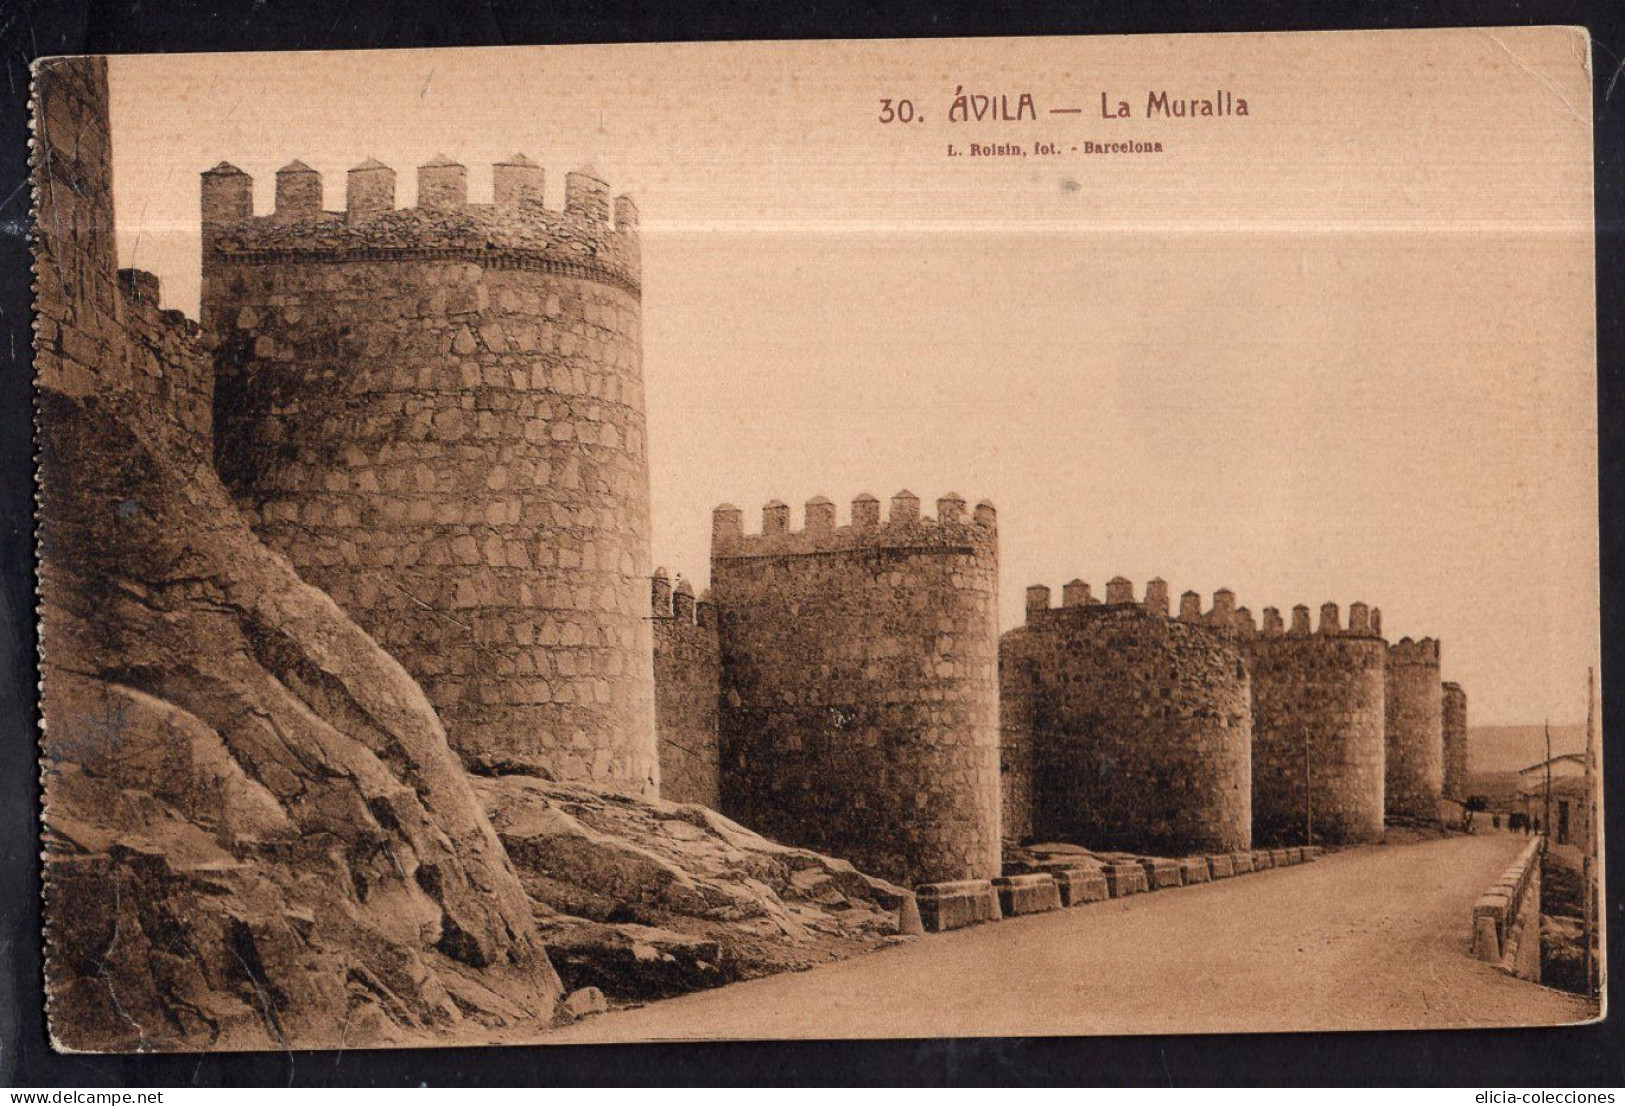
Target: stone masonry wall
437	414
1318	716
1414	731
80	344
1140	724
1017	690
860	697
1453	723
688	671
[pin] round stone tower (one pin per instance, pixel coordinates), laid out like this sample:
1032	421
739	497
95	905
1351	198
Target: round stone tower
437	414
1141	727
1453	721
859	710
1318	716
1415	731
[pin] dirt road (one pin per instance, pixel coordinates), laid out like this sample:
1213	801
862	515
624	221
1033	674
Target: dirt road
1369	938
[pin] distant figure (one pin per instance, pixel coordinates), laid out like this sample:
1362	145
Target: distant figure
1495	821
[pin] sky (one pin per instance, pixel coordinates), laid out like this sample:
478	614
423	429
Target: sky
1341	348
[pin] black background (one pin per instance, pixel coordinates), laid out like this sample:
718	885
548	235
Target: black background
1593	1055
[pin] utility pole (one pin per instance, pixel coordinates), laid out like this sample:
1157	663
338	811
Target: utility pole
1308	799
1588	864
1546	816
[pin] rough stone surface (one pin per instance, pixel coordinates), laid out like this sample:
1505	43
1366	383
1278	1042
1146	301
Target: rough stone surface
1140	724
1126	878
1414	732
1162	873
645	898
1318	717
688	672
859	707
583	1003
1453	724
1015	759
437	414
1080	885
1032	893
958	903
257	835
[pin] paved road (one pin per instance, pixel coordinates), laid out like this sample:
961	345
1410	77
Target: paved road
1364	939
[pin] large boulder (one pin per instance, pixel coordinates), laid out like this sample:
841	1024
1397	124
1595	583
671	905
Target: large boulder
644	898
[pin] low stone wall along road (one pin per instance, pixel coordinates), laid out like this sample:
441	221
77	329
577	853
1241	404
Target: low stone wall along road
1370	938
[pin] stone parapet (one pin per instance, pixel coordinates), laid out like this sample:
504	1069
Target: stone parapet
1081	885
586	239
1161	872
1033	893
1124	878
1507	916
903	528
956	904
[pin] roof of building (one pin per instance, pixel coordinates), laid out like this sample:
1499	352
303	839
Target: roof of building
1574	758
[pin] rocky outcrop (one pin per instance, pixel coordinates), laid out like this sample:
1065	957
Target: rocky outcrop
257	834
646	898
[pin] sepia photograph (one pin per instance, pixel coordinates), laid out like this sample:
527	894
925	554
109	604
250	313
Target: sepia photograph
834	539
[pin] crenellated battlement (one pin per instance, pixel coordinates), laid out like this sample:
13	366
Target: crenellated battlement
904	527
1422	653
595	236
688	673
165	360
140	293
1078	600
1363	621
679	603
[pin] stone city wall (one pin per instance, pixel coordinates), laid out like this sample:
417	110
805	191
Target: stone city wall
1017	691
1453	723
860	697
243	795
1318	717
688	670
1140	724
1414	731
437	414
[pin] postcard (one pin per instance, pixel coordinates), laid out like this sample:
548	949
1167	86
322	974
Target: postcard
820	539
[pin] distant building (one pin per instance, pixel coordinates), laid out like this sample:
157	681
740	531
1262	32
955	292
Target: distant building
1571	804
